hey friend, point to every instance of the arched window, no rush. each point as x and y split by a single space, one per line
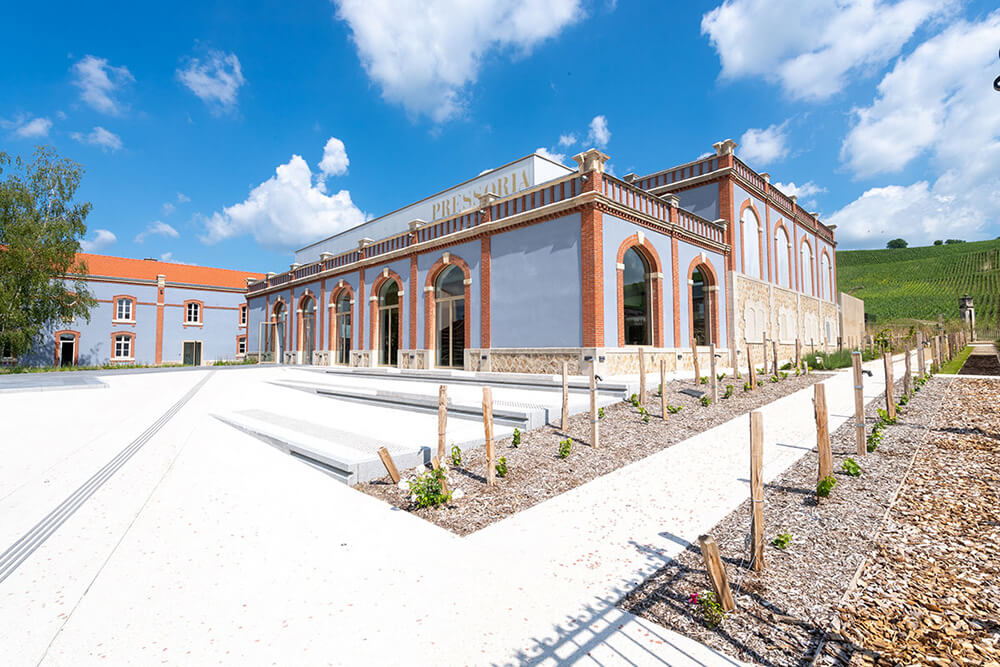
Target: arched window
342 326
276 332
388 323
782 257
806 266
825 278
636 299
307 338
751 244
449 316
702 306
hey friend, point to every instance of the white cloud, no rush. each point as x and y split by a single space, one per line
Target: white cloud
98 82
168 208
166 257
36 127
807 189
599 133
556 157
286 211
937 103
99 239
762 147
810 48
426 57
182 198
334 162
156 228
108 141
216 81
567 139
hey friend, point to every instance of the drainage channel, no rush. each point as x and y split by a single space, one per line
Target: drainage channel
18 552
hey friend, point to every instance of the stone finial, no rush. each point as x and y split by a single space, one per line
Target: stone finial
630 178
766 176
727 147
672 200
487 198
831 227
722 222
365 242
814 214
591 160
293 266
795 200
271 274
323 256
416 224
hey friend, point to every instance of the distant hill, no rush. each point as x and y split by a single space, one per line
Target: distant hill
925 281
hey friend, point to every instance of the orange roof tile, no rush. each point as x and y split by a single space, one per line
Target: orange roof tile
149 269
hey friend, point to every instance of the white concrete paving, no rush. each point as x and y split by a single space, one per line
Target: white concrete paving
209 546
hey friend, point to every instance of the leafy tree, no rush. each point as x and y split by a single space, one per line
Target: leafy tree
953 241
896 243
939 242
40 231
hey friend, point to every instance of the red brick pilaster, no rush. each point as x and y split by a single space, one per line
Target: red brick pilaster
160 302
413 290
485 274
592 270
359 330
726 212
676 271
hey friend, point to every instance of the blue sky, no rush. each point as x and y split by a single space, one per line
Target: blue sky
229 135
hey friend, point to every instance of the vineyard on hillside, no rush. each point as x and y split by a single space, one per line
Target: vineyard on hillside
921 283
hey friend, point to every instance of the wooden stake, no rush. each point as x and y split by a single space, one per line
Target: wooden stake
442 418
716 573
890 401
663 388
906 374
859 403
774 356
714 380
921 364
798 353
763 347
642 378
564 425
694 357
390 467
491 471
435 464
595 428
822 432
757 489
751 369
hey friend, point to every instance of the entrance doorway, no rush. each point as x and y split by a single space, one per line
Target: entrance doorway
67 350
388 323
449 316
192 353
343 328
308 336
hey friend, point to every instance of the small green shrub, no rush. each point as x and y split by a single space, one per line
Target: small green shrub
634 400
516 440
746 386
729 391
875 439
600 413
565 447
645 415
851 467
659 390
502 467
705 401
825 486
703 379
720 377
674 409
709 609
427 488
782 541
884 417
775 378
456 456
784 375
903 400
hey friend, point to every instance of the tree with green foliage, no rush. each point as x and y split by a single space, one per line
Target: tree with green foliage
896 243
939 242
40 231
953 241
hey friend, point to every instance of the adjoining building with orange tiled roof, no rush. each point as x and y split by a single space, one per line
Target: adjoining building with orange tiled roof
152 312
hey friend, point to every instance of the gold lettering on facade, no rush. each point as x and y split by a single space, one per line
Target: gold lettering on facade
502 186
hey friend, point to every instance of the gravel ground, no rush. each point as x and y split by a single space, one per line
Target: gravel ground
536 473
782 612
931 593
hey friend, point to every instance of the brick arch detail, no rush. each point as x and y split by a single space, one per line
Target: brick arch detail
829 278
384 276
762 249
332 314
76 345
713 305
788 249
652 258
430 340
812 264
300 319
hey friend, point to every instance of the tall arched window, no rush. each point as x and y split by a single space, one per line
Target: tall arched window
307 339
702 306
825 278
636 299
751 244
276 344
342 326
449 316
806 265
782 256
388 323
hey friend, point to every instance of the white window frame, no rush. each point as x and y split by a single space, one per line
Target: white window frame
119 302
187 312
241 341
244 314
128 340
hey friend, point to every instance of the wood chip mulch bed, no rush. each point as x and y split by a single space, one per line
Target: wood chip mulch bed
930 595
536 473
783 612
